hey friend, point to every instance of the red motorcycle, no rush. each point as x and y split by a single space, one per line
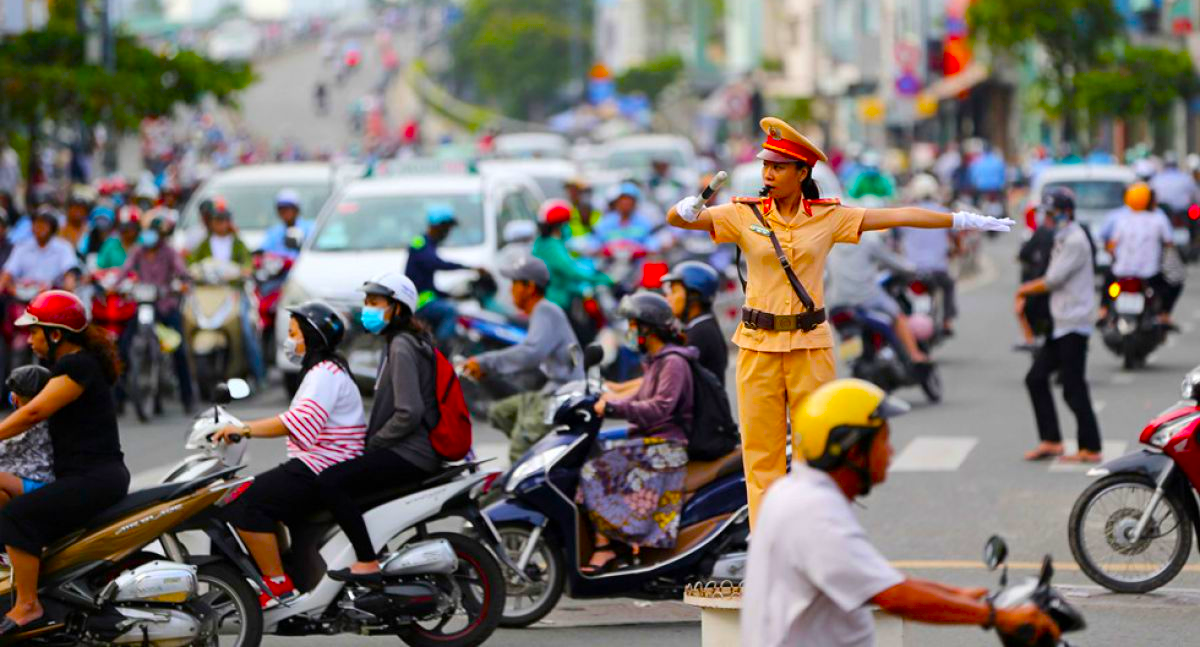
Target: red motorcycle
1131 531
113 305
270 273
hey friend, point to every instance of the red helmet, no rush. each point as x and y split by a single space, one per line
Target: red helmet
55 309
554 212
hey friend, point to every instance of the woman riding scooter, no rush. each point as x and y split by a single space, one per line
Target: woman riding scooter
324 426
570 279
633 491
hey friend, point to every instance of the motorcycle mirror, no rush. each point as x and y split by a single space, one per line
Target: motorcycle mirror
1047 572
592 355
221 394
238 388
293 238
995 552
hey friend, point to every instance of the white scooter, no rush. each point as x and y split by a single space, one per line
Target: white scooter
438 588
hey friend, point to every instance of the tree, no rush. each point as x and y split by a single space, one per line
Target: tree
516 54
1136 81
652 77
1074 34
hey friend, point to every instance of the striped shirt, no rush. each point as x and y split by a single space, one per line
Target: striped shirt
325 421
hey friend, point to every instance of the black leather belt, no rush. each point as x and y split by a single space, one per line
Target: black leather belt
805 321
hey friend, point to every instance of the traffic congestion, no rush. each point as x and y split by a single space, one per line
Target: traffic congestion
362 346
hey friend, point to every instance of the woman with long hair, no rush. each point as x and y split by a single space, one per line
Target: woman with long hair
786 348
89 468
324 427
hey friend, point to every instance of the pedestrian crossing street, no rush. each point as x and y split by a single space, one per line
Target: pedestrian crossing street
932 454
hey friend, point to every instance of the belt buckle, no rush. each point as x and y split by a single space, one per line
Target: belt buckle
749 323
786 323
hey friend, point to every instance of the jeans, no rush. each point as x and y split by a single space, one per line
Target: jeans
1068 356
442 316
250 340
377 470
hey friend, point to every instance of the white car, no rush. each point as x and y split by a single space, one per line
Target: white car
249 194
1099 190
236 40
633 155
550 174
746 180
531 145
367 228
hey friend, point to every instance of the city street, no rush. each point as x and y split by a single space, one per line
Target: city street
958 477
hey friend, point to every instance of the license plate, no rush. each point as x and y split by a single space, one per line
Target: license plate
1182 237
1131 304
850 349
922 304
145 314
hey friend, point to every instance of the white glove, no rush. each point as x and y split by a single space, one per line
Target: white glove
967 221
689 208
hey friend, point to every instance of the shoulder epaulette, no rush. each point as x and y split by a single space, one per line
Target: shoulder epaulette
747 199
827 201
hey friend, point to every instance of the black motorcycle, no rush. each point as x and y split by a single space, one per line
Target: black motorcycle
875 354
1132 329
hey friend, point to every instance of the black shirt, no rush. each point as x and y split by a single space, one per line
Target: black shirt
704 334
84 433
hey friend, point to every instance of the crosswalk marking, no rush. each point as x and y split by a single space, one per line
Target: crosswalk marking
1109 448
934 454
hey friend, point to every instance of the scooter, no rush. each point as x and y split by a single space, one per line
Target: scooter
439 588
1131 530
921 300
212 323
548 536
1036 591
1131 330
869 344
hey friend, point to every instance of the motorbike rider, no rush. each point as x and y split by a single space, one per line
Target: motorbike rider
405 408
659 413
663 184
45 259
75 229
275 241
570 279
1140 242
1070 281
100 228
1176 188
154 261
424 263
584 216
89 467
624 221
549 348
987 172
116 249
812 572
871 180
929 250
324 426
1168 283
197 233
691 288
27 460
224 244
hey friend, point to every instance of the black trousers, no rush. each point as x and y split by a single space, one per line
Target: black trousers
375 470
286 493
1068 356
33 521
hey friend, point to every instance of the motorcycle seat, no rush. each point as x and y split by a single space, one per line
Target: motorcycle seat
701 473
137 500
377 498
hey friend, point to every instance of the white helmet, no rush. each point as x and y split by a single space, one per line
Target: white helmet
519 230
924 187
393 285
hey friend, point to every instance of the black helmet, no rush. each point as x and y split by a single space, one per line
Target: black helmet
48 215
1059 199
27 381
649 309
323 320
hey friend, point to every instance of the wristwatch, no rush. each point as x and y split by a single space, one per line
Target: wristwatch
991 619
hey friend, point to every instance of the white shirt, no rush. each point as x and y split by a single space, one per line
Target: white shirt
811 569
325 421
222 247
32 262
1139 238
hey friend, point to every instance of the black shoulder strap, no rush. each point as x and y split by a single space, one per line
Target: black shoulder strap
797 286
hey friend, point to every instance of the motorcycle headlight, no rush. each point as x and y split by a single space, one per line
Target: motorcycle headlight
534 465
1190 383
1168 431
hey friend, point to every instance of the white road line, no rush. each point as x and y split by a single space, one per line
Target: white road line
934 454
1110 448
1122 379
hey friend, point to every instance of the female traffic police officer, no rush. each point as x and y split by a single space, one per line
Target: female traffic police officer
786 349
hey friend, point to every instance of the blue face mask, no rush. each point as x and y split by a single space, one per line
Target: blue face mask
372 319
148 238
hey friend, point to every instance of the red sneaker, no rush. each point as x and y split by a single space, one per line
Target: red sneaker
282 587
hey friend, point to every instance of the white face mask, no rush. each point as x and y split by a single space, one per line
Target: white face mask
289 349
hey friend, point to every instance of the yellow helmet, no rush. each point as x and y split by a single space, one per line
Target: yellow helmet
838 416
1138 196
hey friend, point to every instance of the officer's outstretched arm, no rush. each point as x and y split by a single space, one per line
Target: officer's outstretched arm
876 219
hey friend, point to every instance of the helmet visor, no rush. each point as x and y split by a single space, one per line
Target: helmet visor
378 290
891 407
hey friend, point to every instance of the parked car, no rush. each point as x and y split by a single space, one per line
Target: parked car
249 193
367 227
1099 190
634 154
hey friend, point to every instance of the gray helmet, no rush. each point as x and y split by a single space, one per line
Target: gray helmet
649 309
27 381
528 268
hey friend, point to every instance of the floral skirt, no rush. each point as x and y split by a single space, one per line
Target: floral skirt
633 492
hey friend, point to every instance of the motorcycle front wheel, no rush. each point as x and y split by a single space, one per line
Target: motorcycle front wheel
530 601
477 589
1101 533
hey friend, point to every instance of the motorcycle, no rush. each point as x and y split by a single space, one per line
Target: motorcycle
212 323
547 535
869 344
270 273
1037 591
439 588
112 307
150 374
99 585
920 299
19 352
1131 530
1131 329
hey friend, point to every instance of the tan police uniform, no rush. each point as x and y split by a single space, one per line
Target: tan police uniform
778 363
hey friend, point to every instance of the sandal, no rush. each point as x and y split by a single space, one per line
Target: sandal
1041 454
603 567
9 627
1082 457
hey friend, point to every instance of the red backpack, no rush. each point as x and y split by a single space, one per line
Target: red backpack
451 436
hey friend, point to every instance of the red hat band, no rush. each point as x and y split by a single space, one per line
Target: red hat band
791 149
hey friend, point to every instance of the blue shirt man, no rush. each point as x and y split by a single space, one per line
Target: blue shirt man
287 205
988 172
423 258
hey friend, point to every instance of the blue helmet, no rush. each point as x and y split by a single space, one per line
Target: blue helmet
696 277
440 213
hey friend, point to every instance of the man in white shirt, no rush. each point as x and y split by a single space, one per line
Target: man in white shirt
45 259
1139 242
812 571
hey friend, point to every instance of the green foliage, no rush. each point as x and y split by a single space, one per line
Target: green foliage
1139 81
651 77
43 76
517 53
